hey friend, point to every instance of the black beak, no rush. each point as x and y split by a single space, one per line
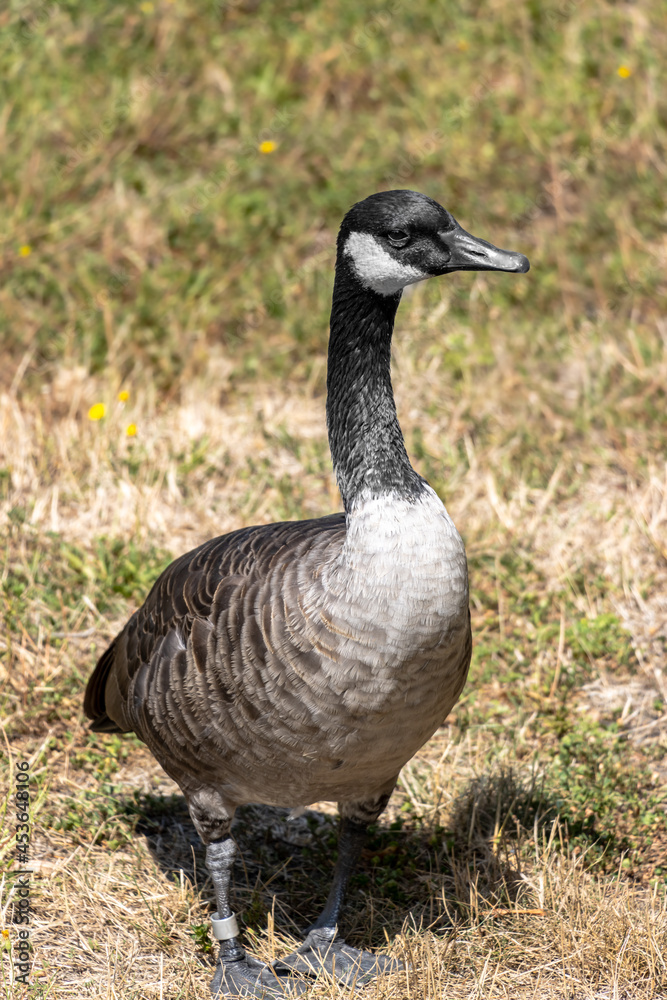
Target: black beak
469 253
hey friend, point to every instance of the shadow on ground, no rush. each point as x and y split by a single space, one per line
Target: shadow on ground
431 875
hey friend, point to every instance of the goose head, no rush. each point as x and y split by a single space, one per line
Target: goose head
396 238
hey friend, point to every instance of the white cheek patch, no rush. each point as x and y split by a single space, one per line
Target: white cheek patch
376 268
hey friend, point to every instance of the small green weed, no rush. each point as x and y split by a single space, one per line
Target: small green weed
201 934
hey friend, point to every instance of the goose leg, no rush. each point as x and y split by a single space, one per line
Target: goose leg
323 948
351 840
238 974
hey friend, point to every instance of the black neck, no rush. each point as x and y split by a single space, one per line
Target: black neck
366 442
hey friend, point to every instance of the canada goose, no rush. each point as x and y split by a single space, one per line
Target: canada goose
292 663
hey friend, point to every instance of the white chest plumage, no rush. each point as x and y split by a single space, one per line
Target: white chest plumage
395 602
402 569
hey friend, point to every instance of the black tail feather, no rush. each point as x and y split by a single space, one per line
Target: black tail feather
94 702
103 724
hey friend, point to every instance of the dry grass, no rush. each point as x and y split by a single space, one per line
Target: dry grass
523 854
113 919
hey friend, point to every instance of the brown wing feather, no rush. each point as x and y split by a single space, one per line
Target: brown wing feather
182 596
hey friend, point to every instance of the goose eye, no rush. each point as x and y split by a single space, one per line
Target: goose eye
398 238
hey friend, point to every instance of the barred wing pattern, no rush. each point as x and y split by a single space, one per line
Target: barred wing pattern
242 674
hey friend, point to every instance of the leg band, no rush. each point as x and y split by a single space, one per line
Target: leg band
226 928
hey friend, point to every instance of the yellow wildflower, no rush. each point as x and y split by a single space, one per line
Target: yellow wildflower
25 250
462 45
97 411
123 395
5 933
147 7
267 146
131 430
624 72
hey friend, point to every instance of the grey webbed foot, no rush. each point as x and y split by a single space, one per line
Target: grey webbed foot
249 977
324 951
237 979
